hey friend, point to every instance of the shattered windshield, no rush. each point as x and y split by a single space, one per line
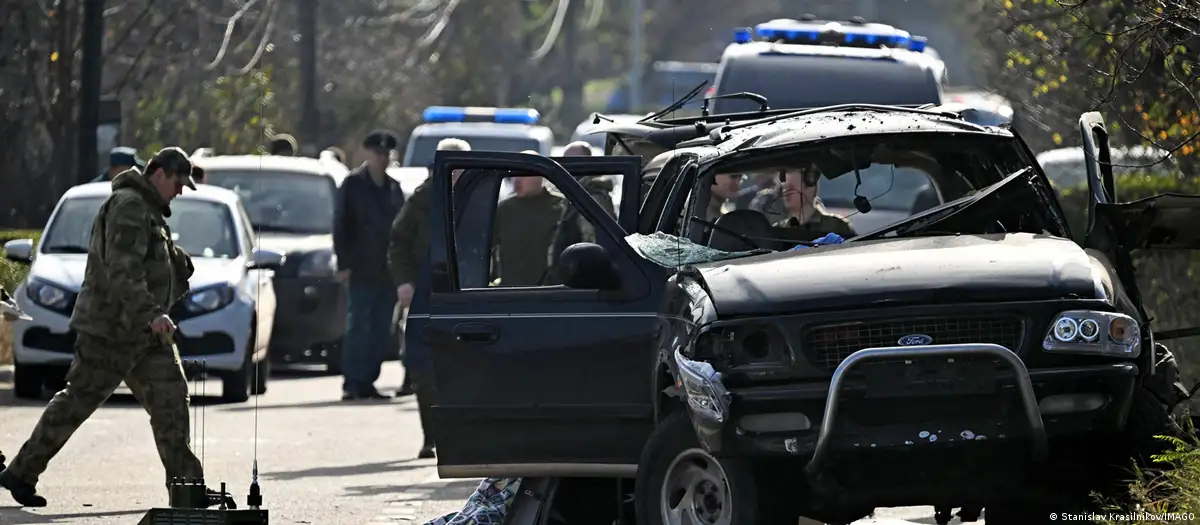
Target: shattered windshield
824 195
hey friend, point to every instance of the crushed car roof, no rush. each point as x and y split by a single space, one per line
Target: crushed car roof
816 126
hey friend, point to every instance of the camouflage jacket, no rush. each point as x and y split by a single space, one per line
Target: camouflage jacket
524 232
408 242
134 270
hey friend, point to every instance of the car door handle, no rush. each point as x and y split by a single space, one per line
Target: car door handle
476 333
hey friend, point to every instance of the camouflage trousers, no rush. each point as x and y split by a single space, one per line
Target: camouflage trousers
151 370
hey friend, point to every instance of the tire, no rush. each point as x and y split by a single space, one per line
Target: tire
236 385
28 381
724 493
262 372
1149 417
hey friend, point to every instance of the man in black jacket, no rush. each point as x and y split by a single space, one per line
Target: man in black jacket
368 201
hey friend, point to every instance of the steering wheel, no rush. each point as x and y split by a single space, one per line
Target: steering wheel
746 239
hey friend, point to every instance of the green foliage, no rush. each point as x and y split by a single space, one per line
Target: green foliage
11 273
1171 487
1059 58
232 114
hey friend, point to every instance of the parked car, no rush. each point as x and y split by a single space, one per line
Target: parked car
290 202
971 355
226 322
1066 166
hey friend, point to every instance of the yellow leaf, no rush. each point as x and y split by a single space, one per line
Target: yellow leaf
1162 135
1062 78
1057 139
1008 4
54 56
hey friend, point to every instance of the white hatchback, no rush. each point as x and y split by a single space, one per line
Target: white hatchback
225 322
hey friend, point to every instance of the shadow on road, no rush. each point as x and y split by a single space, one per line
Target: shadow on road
453 490
351 470
249 407
18 516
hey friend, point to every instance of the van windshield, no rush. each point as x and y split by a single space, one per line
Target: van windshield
802 81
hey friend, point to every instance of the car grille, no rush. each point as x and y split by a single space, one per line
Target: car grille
828 345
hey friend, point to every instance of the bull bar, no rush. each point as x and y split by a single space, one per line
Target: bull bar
1020 373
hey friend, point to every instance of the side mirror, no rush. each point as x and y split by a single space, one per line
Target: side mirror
265 260
588 266
19 251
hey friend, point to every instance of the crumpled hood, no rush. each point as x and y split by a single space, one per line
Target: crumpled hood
287 243
66 270
923 270
132 178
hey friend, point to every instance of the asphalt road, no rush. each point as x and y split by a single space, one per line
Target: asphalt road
321 461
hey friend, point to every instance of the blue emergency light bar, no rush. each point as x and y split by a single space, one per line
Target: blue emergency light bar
435 114
789 31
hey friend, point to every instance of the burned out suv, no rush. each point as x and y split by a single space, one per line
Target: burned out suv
969 356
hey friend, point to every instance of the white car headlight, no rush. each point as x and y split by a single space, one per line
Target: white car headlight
209 299
322 263
1093 332
706 395
48 295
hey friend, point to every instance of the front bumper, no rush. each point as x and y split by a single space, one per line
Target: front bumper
219 339
862 412
310 318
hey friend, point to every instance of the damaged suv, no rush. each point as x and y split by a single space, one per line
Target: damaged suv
969 356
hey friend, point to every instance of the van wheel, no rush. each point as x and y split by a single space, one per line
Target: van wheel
236 385
680 483
28 381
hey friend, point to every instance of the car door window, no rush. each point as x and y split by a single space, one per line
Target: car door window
527 232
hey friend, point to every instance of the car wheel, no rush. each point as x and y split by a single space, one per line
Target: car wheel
28 381
680 483
262 372
236 385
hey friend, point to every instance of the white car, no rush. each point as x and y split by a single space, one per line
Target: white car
225 322
1065 166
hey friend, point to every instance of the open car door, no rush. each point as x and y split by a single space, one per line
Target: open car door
538 380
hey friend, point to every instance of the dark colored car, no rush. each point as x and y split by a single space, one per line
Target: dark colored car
290 201
968 356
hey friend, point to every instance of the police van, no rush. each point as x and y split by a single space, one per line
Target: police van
485 129
811 63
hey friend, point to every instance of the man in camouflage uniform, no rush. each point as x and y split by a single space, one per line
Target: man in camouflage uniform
572 226
134 274
807 218
9 312
524 231
408 247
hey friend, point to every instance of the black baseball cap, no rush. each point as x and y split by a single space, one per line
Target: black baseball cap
380 139
174 160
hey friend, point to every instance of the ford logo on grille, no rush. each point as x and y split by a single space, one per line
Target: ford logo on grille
915 340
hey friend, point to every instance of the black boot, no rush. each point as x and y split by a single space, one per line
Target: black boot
2 467
406 386
24 493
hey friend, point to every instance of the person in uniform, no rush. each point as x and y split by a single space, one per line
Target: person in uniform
9 312
408 247
134 274
120 158
572 227
807 218
524 231
367 203
724 188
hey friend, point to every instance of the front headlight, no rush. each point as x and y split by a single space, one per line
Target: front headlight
706 395
209 299
48 295
1092 332
321 263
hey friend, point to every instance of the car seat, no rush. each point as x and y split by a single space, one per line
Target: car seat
928 198
751 223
